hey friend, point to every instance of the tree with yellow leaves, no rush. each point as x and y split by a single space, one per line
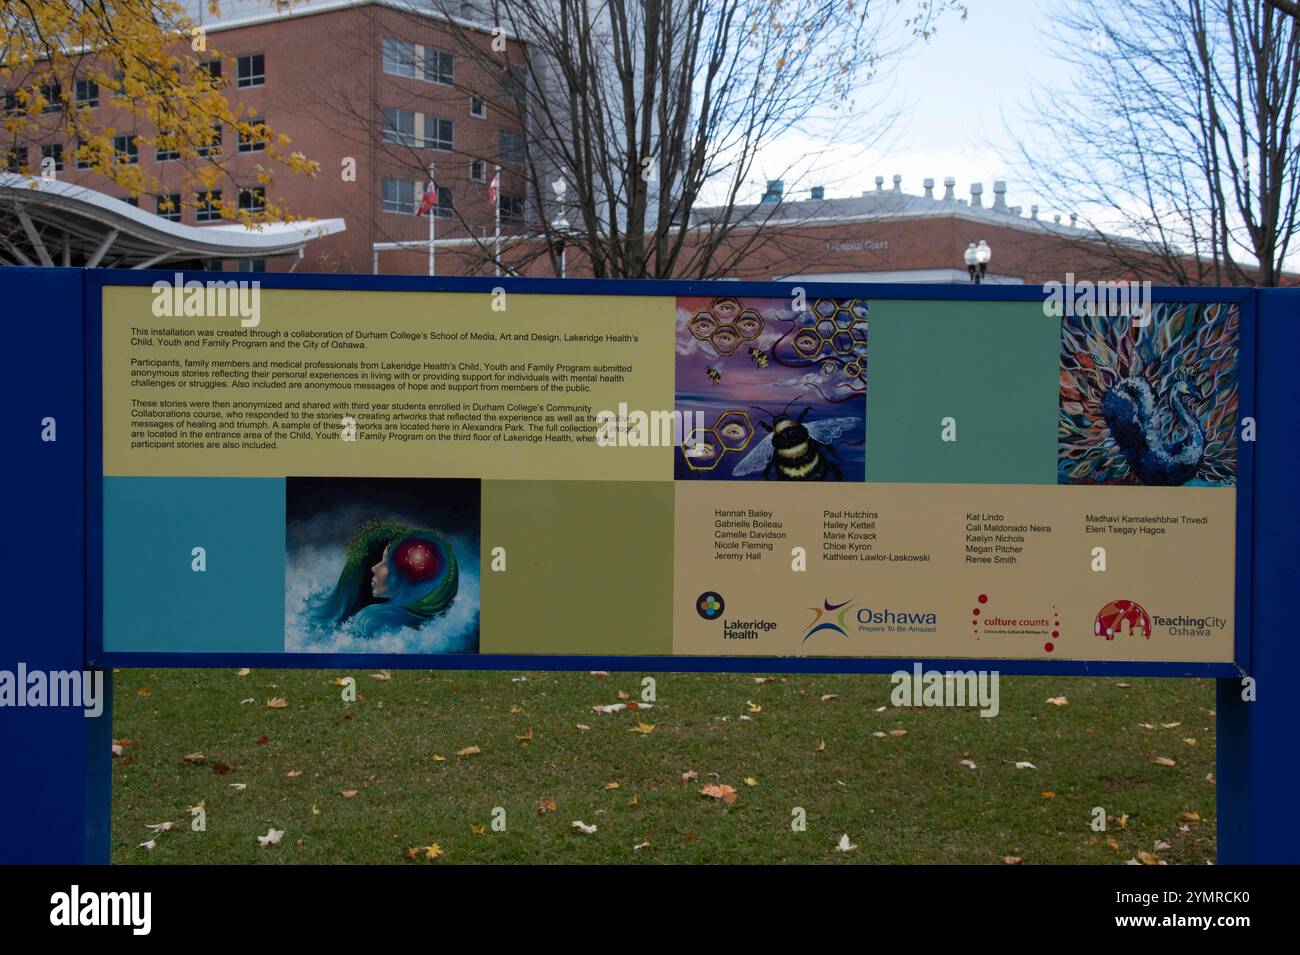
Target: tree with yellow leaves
97 80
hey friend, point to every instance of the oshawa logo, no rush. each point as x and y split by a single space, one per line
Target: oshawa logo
837 625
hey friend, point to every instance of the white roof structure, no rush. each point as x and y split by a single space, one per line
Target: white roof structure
48 222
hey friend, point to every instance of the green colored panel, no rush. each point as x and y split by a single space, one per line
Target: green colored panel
991 366
589 567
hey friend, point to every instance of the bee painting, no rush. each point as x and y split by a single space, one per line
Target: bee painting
715 374
796 451
759 356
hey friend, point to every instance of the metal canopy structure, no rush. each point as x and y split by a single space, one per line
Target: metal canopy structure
45 222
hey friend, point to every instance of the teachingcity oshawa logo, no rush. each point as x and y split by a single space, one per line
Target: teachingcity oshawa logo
1118 614
710 605
817 625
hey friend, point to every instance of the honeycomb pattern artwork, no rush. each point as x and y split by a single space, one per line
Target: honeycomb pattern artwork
731 433
832 335
726 325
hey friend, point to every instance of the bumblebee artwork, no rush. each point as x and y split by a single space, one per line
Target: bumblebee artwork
795 451
715 374
759 356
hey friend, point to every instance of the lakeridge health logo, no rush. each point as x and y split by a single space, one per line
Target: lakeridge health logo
710 605
1112 618
836 625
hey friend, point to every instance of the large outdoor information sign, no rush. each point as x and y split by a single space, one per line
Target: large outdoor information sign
729 475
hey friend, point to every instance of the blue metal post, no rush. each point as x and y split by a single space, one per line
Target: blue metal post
1257 776
55 796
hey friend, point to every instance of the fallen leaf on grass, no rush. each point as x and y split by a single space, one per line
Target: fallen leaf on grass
1190 816
383 676
243 671
969 764
827 697
272 837
583 827
1113 843
1164 761
689 838
634 801
1161 845
764 679
623 694
821 747
527 737
1024 765
247 701
439 758
277 703
1012 860
193 759
643 728
1058 701
844 845
347 793
148 845
1123 686
158 827
263 740
433 851
1147 858
468 751
898 732
314 810
751 781
881 709
753 707
1170 726
1122 821
1047 794
544 806
294 773
1189 740
611 708
879 734
609 786
720 791
477 830
516 709
600 674
1147 726
641 845
690 775
341 681
582 727
220 768
239 787
143 691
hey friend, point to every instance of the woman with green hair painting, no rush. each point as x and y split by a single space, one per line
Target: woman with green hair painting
394 576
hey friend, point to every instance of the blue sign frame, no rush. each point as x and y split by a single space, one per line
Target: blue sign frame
96 656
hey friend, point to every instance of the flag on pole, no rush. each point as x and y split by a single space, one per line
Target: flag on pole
430 199
494 188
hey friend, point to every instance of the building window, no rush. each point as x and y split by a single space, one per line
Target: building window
512 210
403 58
54 152
11 103
16 159
125 150
514 83
207 207
477 107
213 147
252 265
511 146
254 141
212 68
250 70
164 147
446 207
401 195
252 199
438 66
169 206
52 93
478 170
131 201
83 162
406 128
87 93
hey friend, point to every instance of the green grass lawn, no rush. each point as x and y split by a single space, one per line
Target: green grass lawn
900 799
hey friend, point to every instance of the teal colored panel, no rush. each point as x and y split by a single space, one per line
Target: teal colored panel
990 366
155 601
